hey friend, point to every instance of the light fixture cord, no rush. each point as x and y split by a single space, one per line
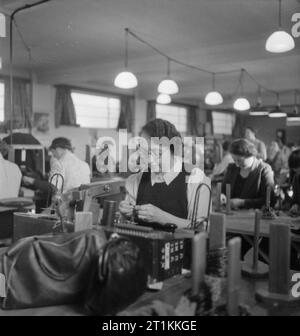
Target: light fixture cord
279 13
126 48
168 67
213 81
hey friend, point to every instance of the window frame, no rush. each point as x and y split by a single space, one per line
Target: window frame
233 116
93 92
180 106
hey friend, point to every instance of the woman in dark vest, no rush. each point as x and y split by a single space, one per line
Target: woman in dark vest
164 196
248 176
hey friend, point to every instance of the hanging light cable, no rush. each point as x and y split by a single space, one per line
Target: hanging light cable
126 79
241 103
168 86
213 97
277 112
258 109
280 41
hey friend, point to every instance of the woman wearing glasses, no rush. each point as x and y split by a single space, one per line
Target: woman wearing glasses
164 191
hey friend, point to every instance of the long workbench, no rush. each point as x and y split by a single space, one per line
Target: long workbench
171 292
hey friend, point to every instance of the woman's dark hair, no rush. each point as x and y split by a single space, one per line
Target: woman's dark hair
294 159
159 128
243 147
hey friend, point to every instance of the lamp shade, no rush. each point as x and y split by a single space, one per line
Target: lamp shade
168 86
277 113
279 42
258 110
163 98
241 104
126 80
213 98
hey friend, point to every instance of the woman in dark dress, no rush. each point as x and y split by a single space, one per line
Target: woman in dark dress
248 176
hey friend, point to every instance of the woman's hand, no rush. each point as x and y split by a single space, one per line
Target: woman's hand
150 213
236 203
126 208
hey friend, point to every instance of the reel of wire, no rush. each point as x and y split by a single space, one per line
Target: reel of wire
216 262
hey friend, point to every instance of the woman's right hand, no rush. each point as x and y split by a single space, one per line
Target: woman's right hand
126 208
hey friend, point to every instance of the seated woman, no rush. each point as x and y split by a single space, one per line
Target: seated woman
248 176
294 164
160 196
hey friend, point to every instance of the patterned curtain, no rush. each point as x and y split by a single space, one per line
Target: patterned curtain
21 114
239 126
64 107
126 114
151 110
195 127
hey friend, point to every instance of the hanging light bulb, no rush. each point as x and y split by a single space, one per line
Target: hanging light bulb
213 97
258 109
241 103
126 79
163 98
168 86
280 41
277 112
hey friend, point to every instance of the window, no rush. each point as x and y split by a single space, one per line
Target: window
1 101
177 115
95 111
223 123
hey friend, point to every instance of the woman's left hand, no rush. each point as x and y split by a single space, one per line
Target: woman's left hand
237 203
150 213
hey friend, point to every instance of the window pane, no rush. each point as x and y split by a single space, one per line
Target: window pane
223 122
94 111
1 101
174 114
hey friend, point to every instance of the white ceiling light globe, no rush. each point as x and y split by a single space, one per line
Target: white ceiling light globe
126 80
279 42
213 98
163 98
241 104
168 86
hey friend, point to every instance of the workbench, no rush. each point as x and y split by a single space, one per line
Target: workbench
242 223
172 290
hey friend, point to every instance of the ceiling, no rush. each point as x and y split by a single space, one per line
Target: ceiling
81 42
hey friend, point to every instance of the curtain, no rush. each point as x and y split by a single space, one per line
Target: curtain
195 127
126 114
64 107
151 110
21 114
239 126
